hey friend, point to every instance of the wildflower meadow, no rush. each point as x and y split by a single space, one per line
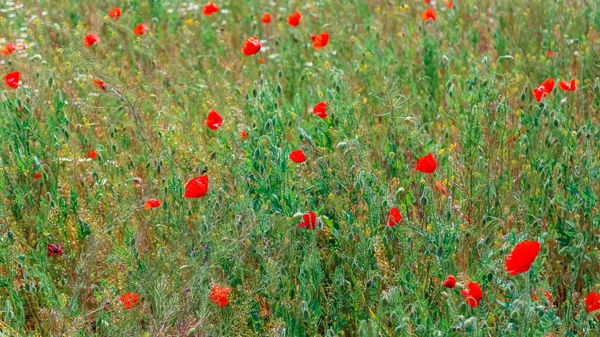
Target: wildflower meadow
330 168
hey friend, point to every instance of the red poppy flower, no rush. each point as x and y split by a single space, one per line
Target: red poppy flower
115 13
426 164
568 86
251 46
320 110
294 19
219 294
298 156
543 89
472 294
449 282
140 29
55 249
440 186
309 220
209 9
37 175
151 203
9 48
427 1
550 53
428 14
90 39
12 79
449 4
261 60
213 120
100 84
266 18
546 294
394 217
522 256
129 300
320 41
92 154
243 134
592 302
196 188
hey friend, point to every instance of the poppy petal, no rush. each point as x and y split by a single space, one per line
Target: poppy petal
521 257
196 188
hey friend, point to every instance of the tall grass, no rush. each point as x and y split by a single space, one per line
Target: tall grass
397 88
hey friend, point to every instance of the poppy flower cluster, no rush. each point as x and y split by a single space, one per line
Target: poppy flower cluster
115 13
546 87
129 300
219 295
472 294
518 261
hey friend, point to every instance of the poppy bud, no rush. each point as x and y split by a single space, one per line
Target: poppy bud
470 321
517 305
297 216
341 145
424 200
400 191
192 332
514 315
403 329
305 311
541 309
459 286
445 295
461 318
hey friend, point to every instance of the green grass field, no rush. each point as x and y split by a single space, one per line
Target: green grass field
97 125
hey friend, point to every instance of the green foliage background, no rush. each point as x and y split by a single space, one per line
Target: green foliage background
397 88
